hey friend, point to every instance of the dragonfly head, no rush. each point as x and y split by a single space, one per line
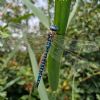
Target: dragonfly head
53 28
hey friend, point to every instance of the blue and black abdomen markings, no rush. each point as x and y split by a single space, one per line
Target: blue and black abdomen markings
53 29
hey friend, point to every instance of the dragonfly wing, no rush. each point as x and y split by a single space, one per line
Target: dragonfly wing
74 45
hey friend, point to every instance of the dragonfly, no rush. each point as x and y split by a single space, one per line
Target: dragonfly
53 30
74 47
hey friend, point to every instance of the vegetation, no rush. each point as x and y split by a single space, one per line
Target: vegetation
21 48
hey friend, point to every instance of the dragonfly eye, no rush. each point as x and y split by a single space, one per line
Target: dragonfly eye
53 28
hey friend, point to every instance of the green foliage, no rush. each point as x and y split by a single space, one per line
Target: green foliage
20 18
80 69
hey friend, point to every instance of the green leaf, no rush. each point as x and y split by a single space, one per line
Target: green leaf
37 12
3 95
20 18
98 96
11 83
53 63
4 34
2 2
62 10
73 12
65 11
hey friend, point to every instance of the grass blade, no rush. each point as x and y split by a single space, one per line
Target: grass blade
41 88
11 83
62 10
73 12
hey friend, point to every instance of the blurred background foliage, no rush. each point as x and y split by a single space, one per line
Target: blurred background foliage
80 70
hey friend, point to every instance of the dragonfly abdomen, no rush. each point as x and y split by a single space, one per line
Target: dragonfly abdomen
42 65
43 60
